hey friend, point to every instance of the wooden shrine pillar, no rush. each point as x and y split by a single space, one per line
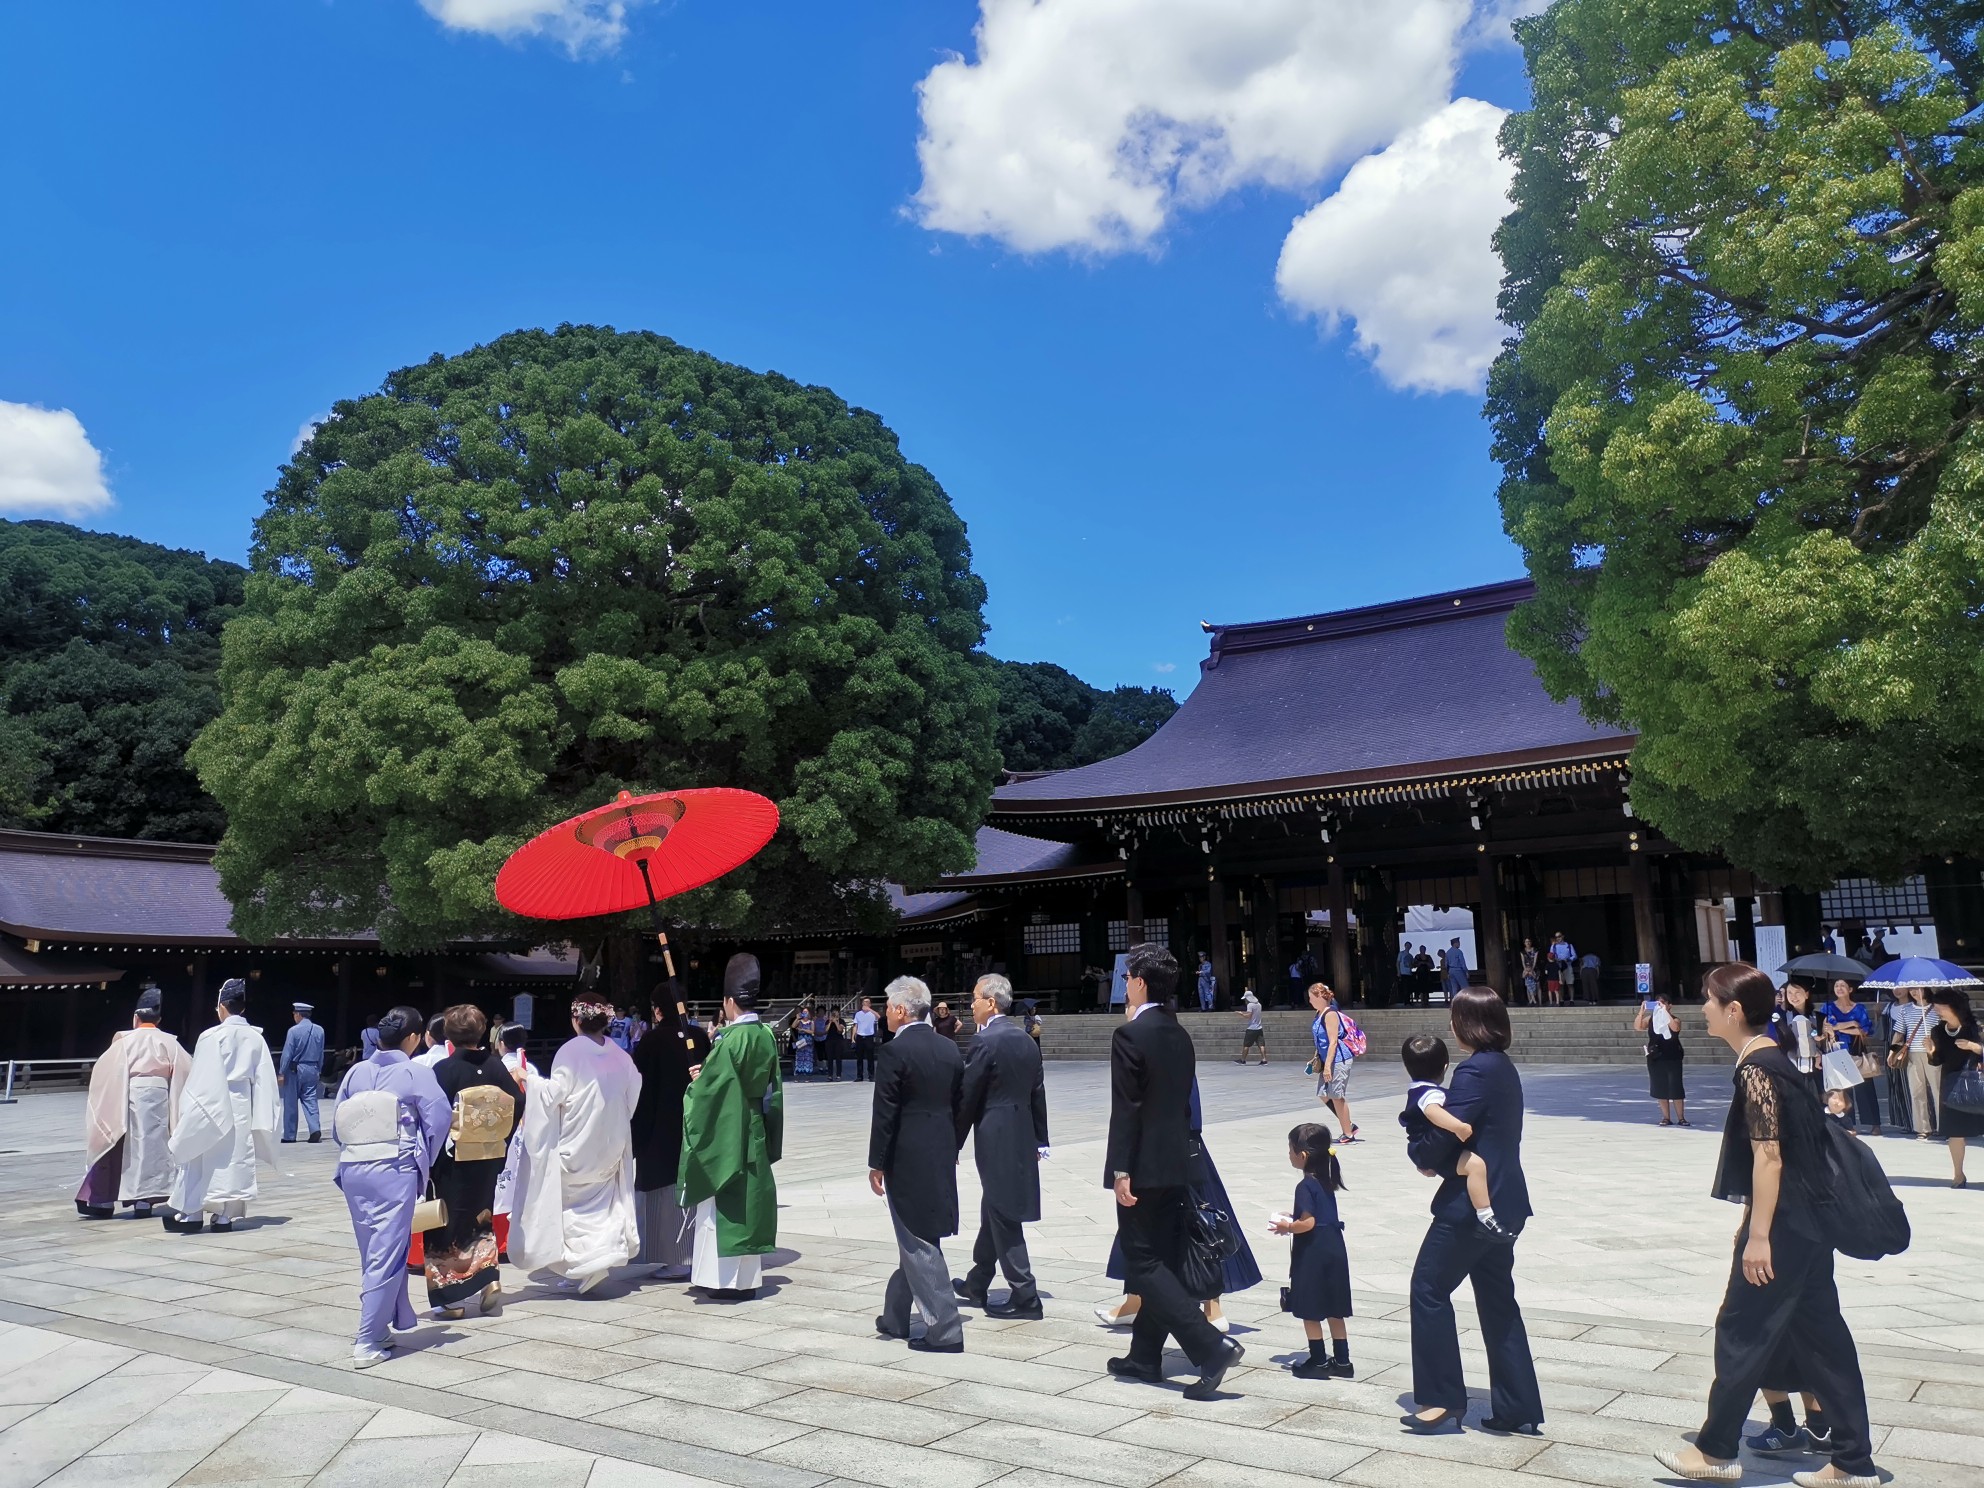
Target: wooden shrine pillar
1645 926
1494 944
1340 963
1133 912
1216 930
1745 948
341 1019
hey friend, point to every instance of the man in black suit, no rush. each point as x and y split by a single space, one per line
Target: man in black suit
913 1162
1005 1098
1151 1064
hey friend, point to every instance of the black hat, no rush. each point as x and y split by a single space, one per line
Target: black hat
151 1002
233 994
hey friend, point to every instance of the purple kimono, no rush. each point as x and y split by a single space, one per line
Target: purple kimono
388 1147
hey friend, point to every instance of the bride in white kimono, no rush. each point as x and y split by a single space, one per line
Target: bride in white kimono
572 1204
227 1118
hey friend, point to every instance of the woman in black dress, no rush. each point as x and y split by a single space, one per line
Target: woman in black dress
1663 1060
1955 1046
1318 1264
460 1258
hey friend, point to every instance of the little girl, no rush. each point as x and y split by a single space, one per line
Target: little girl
1319 1269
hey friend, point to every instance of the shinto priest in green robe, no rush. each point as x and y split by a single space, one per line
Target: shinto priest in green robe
733 1126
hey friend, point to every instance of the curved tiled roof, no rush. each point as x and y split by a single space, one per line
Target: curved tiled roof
1391 692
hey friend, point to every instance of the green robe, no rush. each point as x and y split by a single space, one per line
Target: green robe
733 1128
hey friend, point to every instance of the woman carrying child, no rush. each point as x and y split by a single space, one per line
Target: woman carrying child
1319 1266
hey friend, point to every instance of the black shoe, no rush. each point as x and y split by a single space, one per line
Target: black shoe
1493 1231
1775 1441
95 1211
1342 1369
1510 1428
223 1226
1444 1421
966 1294
882 1327
730 1294
1310 1369
1031 1310
287 1141
316 1136
1128 1368
925 1346
177 1226
1206 1386
141 1211
1819 1442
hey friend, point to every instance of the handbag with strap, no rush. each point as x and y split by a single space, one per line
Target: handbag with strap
1965 1090
430 1213
1841 1073
1210 1239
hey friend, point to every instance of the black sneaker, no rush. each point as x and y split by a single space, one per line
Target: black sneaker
1342 1369
1775 1441
1310 1369
1819 1442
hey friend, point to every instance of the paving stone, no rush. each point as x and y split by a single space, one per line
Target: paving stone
1278 1451
294 1445
709 1386
174 1427
31 1449
705 1425
391 1423
914 1424
546 1392
561 1359
524 1475
1096 1459
883 1464
849 1379
394 1462
608 1472
138 1470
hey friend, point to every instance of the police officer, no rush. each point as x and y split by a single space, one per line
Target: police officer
301 1071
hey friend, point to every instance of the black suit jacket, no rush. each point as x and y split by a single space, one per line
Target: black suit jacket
1151 1067
912 1136
1486 1093
1005 1097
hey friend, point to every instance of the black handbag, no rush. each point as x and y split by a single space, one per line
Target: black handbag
1210 1240
1966 1090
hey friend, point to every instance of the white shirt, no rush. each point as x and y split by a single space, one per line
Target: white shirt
865 1023
433 1056
1253 1006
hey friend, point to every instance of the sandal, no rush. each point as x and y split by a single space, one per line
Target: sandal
1665 1122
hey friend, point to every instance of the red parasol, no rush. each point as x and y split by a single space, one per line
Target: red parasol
637 850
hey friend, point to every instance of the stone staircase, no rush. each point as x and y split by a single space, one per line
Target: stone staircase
1581 1035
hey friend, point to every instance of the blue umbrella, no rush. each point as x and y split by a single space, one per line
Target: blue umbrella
1919 971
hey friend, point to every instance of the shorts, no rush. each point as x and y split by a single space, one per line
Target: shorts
1337 1087
1255 1036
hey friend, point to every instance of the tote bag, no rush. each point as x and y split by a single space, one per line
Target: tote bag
1841 1073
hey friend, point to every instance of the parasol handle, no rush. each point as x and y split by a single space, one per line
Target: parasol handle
654 913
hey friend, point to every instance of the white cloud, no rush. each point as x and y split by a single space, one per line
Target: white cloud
1403 249
48 467
1087 124
1164 666
1493 18
304 430
582 26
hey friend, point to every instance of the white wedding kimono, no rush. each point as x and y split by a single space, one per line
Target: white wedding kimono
227 1118
572 1202
526 1075
135 1089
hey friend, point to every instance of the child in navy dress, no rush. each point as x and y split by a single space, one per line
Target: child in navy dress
1319 1269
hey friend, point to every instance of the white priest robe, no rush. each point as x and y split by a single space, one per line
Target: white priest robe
227 1118
572 1202
134 1099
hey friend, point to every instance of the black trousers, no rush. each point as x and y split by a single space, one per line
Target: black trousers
1794 1315
1449 1254
864 1057
1152 1233
1001 1245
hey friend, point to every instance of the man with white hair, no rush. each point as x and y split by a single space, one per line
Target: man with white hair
913 1163
1005 1100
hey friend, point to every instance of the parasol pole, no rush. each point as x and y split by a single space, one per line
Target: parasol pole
654 913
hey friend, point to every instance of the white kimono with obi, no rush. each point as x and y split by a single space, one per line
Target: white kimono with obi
135 1089
227 1118
572 1202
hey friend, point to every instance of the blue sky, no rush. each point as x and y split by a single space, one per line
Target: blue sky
217 228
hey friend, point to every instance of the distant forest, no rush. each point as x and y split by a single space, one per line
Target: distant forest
109 665
110 661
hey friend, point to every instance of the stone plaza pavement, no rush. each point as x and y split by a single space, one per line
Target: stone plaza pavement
132 1357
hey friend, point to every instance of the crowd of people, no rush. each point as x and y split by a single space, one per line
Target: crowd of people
457 1153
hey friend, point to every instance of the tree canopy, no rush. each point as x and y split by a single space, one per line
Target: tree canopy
1739 423
109 653
1049 719
514 581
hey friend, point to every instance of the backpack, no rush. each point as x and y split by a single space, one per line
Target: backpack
1352 1037
1856 1207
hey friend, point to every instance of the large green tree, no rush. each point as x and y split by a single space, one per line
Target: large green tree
1739 421
1049 719
109 654
517 580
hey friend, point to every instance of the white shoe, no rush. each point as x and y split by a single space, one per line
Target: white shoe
1727 1472
1106 1315
1817 1480
365 1358
591 1281
1221 1323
